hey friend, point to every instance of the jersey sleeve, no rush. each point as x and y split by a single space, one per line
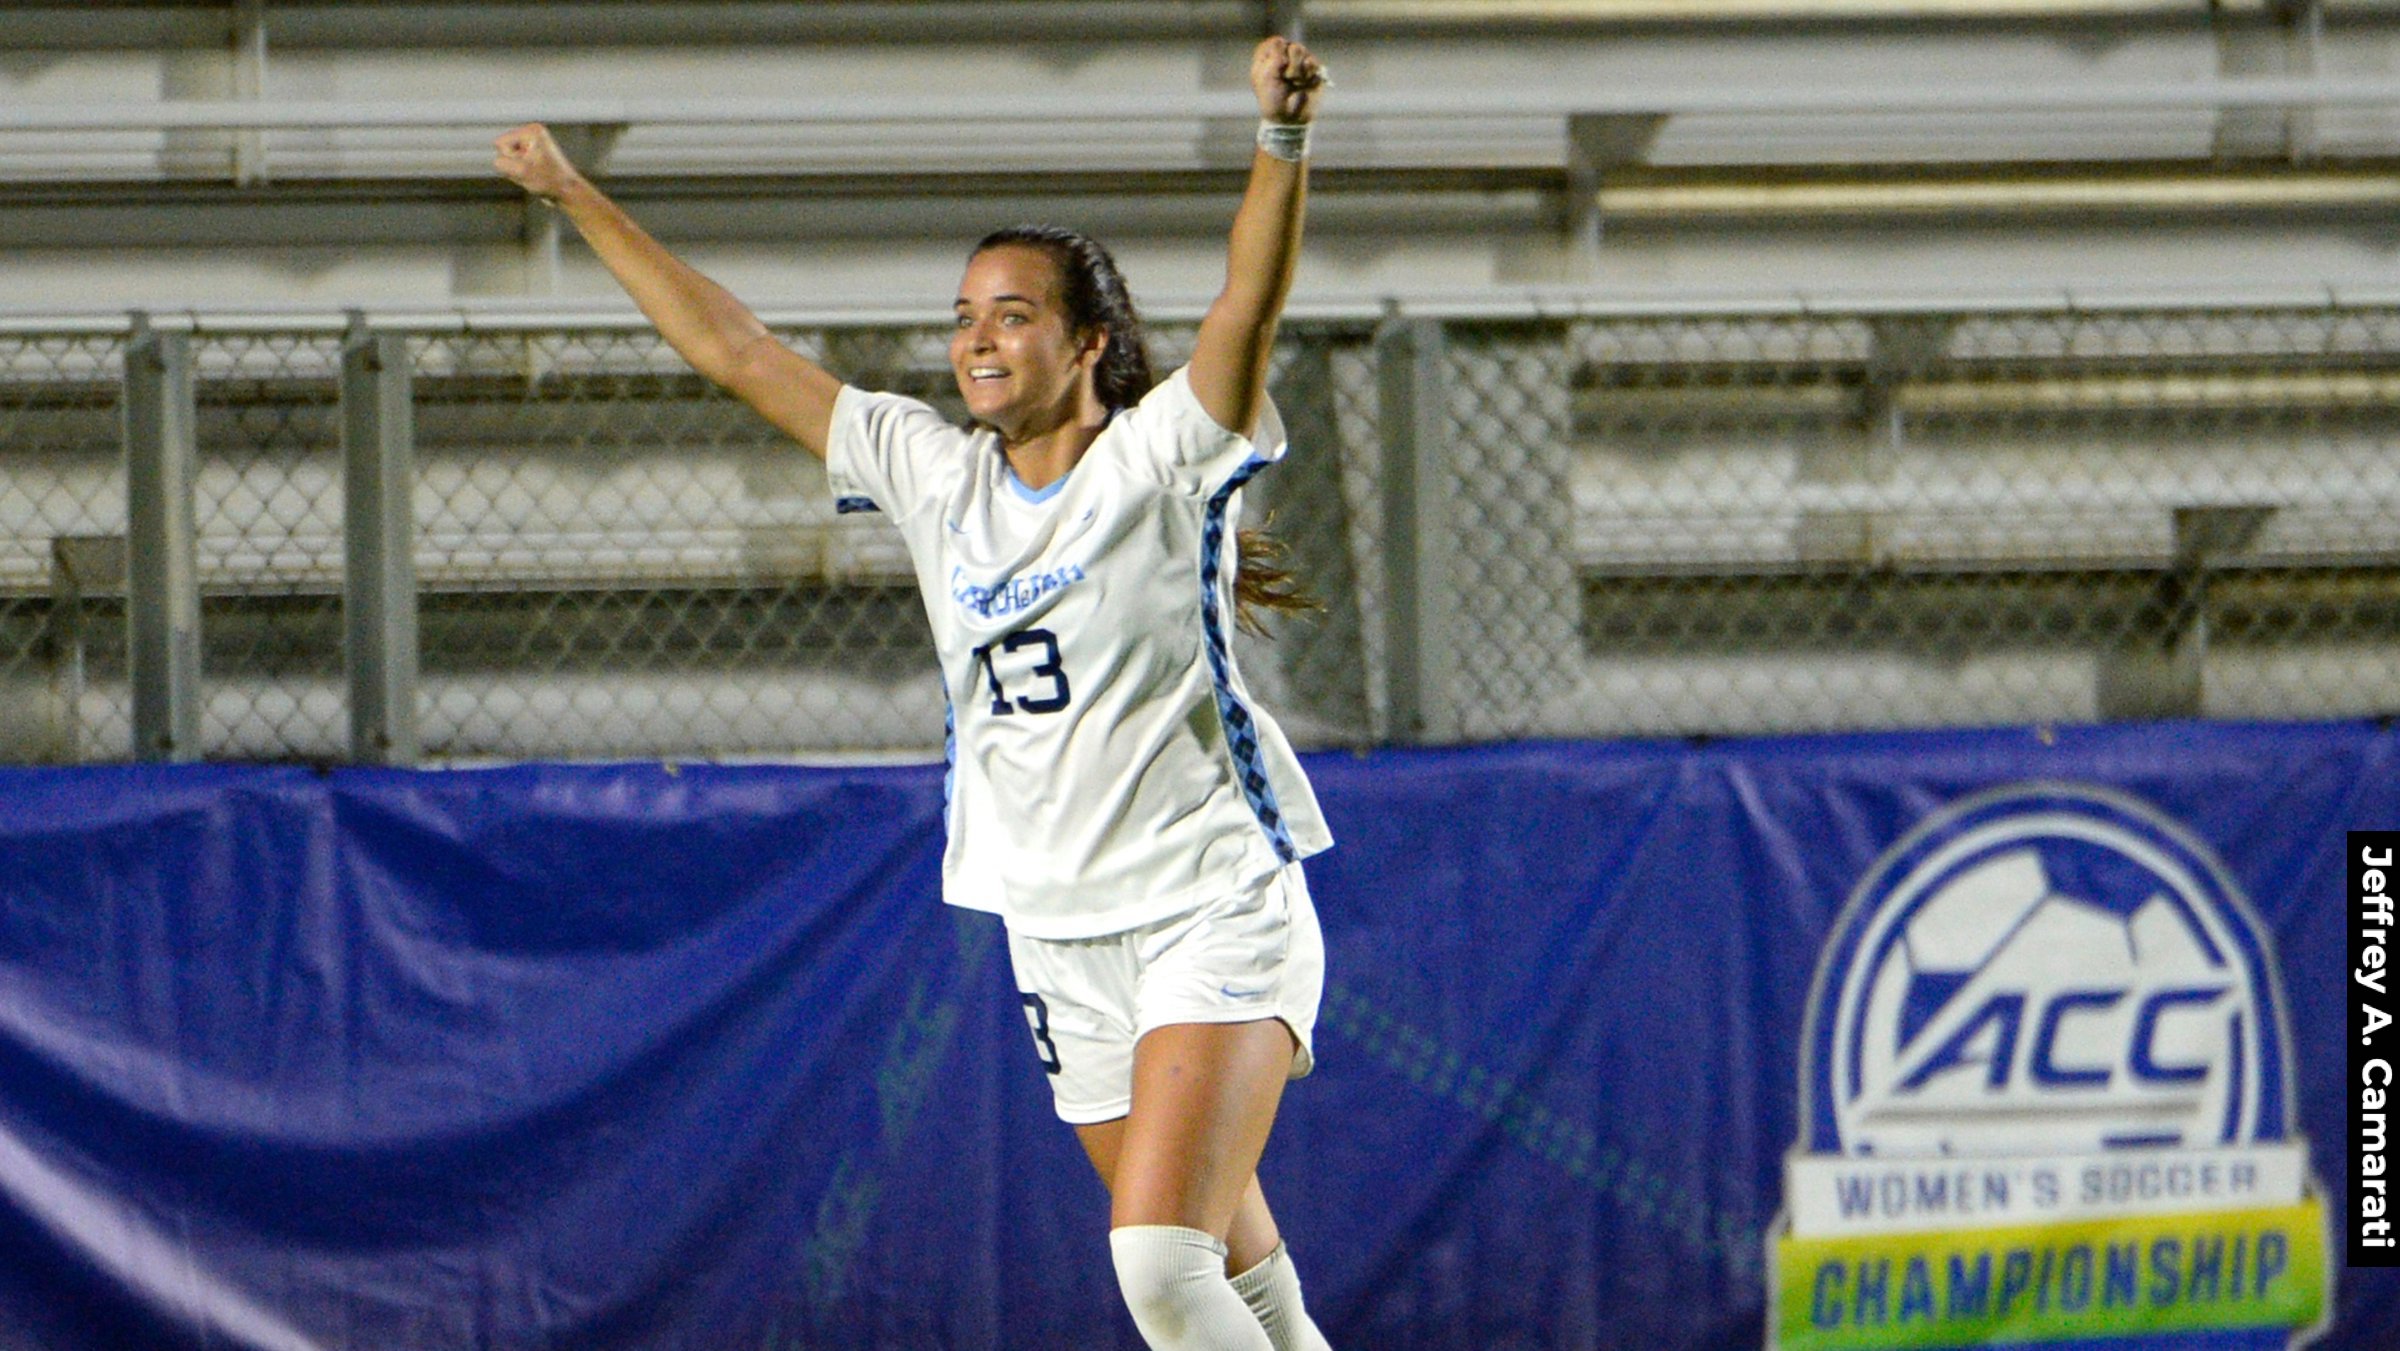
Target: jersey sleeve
888 452
1184 443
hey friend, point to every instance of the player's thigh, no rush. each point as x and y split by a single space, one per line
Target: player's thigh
1251 1237
1102 1141
1255 952
1204 1102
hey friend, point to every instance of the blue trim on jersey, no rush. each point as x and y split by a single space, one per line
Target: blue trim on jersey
949 753
845 505
1241 730
1034 494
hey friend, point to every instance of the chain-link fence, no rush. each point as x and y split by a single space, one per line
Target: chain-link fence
1928 519
267 529
1516 526
616 559
62 559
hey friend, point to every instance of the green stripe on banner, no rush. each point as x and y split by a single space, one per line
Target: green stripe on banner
2122 1277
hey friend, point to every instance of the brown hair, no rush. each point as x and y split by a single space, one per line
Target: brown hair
1095 296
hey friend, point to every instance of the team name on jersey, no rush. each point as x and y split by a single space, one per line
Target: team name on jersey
1010 594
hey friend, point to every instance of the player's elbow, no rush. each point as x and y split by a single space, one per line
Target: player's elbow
737 361
1247 308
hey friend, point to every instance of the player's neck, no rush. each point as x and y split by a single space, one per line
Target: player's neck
1041 458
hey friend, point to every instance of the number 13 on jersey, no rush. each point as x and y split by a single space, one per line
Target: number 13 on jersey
1040 688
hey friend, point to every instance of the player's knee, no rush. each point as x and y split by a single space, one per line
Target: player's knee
1166 1272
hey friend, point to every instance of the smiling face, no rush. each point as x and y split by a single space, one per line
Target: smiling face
1020 364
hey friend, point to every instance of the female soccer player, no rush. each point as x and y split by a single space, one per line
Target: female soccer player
1116 796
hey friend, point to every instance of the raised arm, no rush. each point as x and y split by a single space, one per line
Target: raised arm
700 319
1229 361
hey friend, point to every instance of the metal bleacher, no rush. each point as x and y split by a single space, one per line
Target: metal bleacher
1694 367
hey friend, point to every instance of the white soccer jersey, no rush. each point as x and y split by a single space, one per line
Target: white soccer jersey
1107 767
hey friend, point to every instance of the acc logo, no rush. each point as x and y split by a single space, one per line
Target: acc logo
2046 1095
2045 968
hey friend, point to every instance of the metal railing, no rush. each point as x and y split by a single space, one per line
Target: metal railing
945 112
1565 123
441 539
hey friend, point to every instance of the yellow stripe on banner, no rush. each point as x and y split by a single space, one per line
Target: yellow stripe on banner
2122 1277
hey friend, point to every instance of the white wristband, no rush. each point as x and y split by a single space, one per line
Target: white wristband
1284 140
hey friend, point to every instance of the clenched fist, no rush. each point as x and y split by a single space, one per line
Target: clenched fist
1288 81
529 156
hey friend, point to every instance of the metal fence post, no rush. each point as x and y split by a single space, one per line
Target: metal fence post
2158 668
163 574
1419 538
379 574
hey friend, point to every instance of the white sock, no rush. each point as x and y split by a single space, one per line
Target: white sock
1272 1290
1174 1283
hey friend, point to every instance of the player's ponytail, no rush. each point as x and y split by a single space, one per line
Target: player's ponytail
1095 296
1264 583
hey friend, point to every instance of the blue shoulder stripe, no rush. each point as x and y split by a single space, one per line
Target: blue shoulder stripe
1241 730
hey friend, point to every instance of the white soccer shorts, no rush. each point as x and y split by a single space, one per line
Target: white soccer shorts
1253 955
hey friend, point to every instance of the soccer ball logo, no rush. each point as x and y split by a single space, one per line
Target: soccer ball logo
2046 969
